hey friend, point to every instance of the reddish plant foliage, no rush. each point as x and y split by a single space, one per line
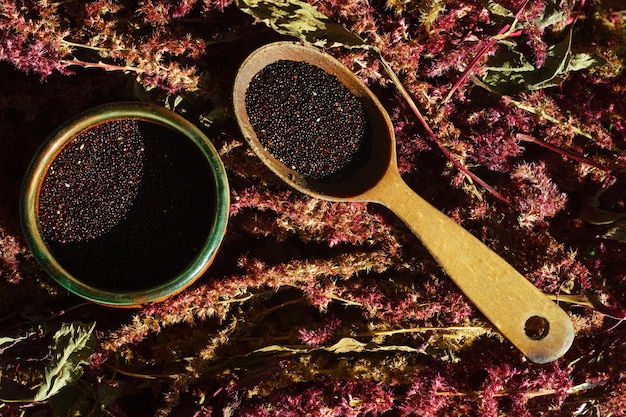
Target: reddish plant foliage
319 308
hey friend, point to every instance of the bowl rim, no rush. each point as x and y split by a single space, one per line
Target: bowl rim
51 148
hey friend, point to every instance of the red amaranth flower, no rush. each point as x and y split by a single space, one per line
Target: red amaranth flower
537 198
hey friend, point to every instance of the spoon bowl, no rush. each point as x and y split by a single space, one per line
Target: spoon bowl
523 314
353 187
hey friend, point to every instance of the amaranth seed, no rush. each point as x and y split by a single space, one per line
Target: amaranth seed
308 120
126 204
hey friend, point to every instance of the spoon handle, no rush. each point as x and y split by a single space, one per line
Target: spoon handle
531 321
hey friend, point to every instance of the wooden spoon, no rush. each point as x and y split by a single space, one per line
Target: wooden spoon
523 314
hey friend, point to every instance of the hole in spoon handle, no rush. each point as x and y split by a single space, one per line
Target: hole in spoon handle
537 327
524 315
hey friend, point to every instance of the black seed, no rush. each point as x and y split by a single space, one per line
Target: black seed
308 120
126 204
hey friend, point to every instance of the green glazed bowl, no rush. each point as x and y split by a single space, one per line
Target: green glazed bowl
87 266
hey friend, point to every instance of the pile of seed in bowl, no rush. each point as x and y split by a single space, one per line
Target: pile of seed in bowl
92 182
126 204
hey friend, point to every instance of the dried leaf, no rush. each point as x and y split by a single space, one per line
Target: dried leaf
71 347
350 345
618 232
301 20
214 118
594 215
345 345
8 342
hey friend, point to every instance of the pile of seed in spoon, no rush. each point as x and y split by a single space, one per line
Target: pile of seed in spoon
308 120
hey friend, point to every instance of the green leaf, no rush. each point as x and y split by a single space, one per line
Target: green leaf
509 71
583 61
301 20
498 9
214 118
71 347
69 402
555 67
552 14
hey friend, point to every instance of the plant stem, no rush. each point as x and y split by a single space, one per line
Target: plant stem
101 65
563 152
142 376
422 330
547 117
507 393
80 45
505 32
446 152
